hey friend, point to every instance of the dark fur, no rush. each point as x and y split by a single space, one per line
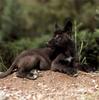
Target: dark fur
60 47
35 59
32 59
63 40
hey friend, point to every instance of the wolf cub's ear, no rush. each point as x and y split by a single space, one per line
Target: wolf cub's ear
57 29
68 25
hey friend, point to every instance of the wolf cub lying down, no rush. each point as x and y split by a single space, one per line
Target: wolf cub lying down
65 62
58 55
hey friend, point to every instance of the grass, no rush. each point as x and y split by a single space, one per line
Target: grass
2 65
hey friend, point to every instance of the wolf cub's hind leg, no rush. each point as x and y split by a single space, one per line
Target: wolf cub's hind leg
33 74
26 64
21 73
44 64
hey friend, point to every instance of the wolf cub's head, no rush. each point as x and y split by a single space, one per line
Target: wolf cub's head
62 36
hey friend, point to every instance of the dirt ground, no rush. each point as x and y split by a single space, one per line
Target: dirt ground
51 86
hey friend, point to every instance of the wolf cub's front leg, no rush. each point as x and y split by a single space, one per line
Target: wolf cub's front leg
58 63
64 64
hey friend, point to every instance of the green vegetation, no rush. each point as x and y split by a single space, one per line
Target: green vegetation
28 23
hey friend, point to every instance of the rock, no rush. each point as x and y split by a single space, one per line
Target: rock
3 95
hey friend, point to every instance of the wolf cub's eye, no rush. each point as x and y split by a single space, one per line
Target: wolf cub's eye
57 36
60 38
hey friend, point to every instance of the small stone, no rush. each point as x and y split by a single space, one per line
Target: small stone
3 95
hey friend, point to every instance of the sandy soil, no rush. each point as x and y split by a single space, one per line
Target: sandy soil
51 86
